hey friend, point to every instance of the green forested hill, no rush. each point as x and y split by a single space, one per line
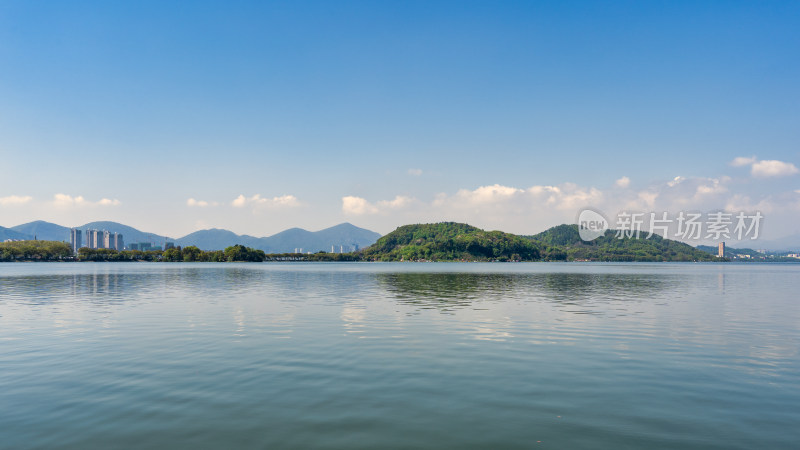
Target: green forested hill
457 241
565 243
450 241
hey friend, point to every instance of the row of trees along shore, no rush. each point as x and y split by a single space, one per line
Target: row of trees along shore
35 251
61 251
177 254
194 254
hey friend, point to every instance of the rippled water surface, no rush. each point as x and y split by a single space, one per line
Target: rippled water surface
419 355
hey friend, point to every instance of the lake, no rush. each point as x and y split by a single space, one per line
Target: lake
399 355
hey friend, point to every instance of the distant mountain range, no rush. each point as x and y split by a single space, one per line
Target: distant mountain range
787 244
344 236
53 232
8 233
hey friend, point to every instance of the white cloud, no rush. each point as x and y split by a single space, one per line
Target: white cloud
566 196
64 200
773 168
415 172
509 208
108 202
648 197
239 201
357 206
200 203
740 161
68 201
682 193
623 182
676 181
533 209
766 168
399 201
521 210
712 186
739 202
13 200
287 201
562 197
487 194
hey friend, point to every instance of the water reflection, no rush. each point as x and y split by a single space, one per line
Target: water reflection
288 356
119 285
445 291
583 293
579 293
40 290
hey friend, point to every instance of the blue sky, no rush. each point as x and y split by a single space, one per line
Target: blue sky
126 111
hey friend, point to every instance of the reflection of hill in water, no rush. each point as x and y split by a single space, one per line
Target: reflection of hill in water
114 287
44 289
218 282
581 293
445 291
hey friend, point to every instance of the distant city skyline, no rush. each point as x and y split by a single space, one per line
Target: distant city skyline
514 116
92 238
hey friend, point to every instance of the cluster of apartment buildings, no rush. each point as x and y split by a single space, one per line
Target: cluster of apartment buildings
149 246
342 249
95 239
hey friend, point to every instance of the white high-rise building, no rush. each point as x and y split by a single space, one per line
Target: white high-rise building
96 239
75 239
92 238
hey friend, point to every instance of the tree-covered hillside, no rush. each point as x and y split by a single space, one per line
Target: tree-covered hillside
450 241
565 239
